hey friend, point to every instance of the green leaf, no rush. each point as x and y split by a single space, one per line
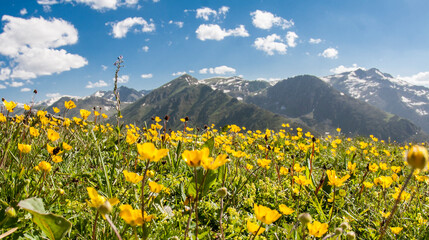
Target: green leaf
54 226
209 144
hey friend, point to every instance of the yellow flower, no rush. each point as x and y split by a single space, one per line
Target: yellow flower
132 177
351 166
97 200
150 173
396 230
56 110
385 215
104 116
368 184
395 169
9 105
317 229
298 168
404 196
384 181
66 146
373 167
155 187
285 209
196 157
209 163
148 151
52 135
131 138
44 166
24 148
56 158
334 180
134 217
96 113
252 228
302 180
84 114
417 157
26 107
284 171
2 118
34 132
69 104
263 163
265 214
383 166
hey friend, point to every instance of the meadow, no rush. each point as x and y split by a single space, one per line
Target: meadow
83 178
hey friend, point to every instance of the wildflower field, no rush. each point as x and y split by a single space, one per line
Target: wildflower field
82 178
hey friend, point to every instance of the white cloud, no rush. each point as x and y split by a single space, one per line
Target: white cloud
123 79
291 39
120 29
145 48
47 2
178 73
222 70
30 44
4 73
144 76
421 79
15 84
342 68
98 84
104 67
266 20
271 44
206 12
53 95
315 40
94 4
179 24
2 86
23 11
214 32
331 53
155 1
25 89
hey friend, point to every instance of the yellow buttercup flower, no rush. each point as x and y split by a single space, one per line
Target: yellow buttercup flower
98 201
148 151
263 163
334 180
302 180
155 187
298 168
373 167
383 166
285 209
84 114
52 135
44 166
104 115
317 229
404 196
265 214
396 230
284 171
34 132
385 215
384 181
395 169
2 118
131 138
9 105
368 184
26 107
24 148
252 228
69 104
417 157
351 166
196 157
66 146
210 164
56 110
96 113
132 177
57 159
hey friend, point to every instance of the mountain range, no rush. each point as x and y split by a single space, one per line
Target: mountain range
360 102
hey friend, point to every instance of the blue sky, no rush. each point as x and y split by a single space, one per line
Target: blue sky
68 47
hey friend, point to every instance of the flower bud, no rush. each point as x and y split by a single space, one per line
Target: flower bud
338 231
60 191
150 173
105 208
10 212
344 225
417 157
222 192
351 236
305 218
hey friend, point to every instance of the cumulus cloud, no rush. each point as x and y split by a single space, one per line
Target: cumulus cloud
222 70
271 44
4 73
104 67
331 53
15 84
120 29
266 20
123 79
31 45
421 79
23 11
315 40
342 68
2 86
205 13
145 48
25 89
291 39
98 84
94 4
215 32
148 75
178 23
178 73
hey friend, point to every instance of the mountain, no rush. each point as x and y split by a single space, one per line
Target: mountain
186 96
236 86
323 108
385 92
